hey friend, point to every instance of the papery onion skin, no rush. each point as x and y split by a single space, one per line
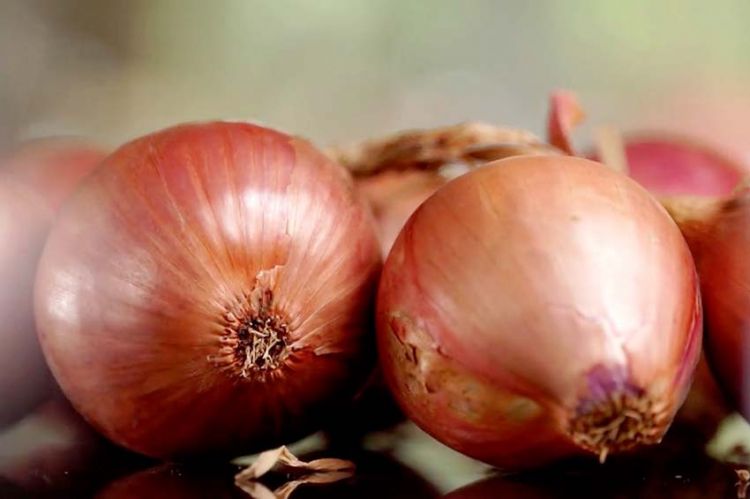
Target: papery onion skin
34 181
527 295
209 290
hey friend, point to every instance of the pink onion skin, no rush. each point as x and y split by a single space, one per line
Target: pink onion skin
159 268
671 165
34 180
579 258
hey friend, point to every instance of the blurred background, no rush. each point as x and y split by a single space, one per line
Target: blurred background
336 71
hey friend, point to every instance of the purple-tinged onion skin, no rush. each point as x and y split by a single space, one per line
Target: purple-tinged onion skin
525 295
209 290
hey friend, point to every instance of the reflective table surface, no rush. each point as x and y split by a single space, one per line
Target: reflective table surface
53 454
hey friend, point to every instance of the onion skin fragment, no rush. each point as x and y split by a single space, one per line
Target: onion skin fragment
535 302
209 290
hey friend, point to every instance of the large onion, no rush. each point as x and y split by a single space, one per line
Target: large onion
539 306
34 181
209 290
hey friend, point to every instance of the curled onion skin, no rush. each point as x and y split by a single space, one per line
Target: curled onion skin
209 290
528 306
34 181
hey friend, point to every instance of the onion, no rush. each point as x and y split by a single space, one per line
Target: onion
718 231
538 307
209 290
33 183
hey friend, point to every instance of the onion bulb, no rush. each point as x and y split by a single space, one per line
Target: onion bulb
34 181
209 290
538 307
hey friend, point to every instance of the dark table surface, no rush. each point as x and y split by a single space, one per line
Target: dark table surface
52 454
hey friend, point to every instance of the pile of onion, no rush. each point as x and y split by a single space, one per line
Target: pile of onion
209 290
34 182
539 307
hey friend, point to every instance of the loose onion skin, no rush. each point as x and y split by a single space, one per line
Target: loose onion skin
533 305
209 290
34 181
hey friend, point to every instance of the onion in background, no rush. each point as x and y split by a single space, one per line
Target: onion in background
34 182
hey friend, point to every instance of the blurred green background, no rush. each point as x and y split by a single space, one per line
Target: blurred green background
341 70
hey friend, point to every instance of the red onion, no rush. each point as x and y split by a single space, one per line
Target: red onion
33 183
537 307
209 290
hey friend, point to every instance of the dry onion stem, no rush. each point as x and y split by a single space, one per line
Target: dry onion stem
318 471
471 143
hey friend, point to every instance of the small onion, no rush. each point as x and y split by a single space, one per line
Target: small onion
34 181
537 307
209 290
